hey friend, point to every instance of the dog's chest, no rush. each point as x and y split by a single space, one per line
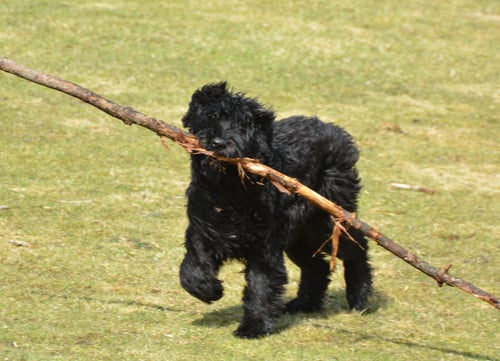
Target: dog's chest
231 219
237 219
234 222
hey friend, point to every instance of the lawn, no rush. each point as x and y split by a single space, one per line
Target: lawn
92 213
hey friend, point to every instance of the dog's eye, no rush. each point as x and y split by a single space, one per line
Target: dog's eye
243 131
208 133
205 135
212 115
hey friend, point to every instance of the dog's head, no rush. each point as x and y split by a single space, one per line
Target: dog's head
230 124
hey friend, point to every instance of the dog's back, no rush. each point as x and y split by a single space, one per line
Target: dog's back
320 155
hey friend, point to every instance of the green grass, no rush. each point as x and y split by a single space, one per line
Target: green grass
102 205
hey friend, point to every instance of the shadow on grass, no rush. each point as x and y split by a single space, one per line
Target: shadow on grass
109 301
221 317
335 303
363 336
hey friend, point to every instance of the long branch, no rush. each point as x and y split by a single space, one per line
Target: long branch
189 142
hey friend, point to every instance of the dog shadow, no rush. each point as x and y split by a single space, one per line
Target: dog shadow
335 303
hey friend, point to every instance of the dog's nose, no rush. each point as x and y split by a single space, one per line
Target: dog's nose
218 143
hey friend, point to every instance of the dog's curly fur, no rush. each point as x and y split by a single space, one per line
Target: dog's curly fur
250 220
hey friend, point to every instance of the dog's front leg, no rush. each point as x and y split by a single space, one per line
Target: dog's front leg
199 269
262 297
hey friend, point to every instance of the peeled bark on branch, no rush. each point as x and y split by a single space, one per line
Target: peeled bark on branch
283 182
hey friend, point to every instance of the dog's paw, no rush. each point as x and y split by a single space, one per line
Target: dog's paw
205 290
248 331
360 305
210 292
358 298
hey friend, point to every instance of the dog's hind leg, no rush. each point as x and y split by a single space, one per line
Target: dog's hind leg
357 270
262 296
314 279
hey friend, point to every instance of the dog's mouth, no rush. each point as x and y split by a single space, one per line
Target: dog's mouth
226 149
226 153
216 165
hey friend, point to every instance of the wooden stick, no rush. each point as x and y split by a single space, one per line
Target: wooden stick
283 182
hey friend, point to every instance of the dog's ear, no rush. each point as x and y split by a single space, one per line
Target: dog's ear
202 99
211 91
264 117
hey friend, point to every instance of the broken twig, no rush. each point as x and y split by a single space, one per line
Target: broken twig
17 243
412 188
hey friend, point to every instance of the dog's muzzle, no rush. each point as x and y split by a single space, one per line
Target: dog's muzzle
218 144
226 147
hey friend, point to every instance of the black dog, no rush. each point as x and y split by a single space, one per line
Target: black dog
250 220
